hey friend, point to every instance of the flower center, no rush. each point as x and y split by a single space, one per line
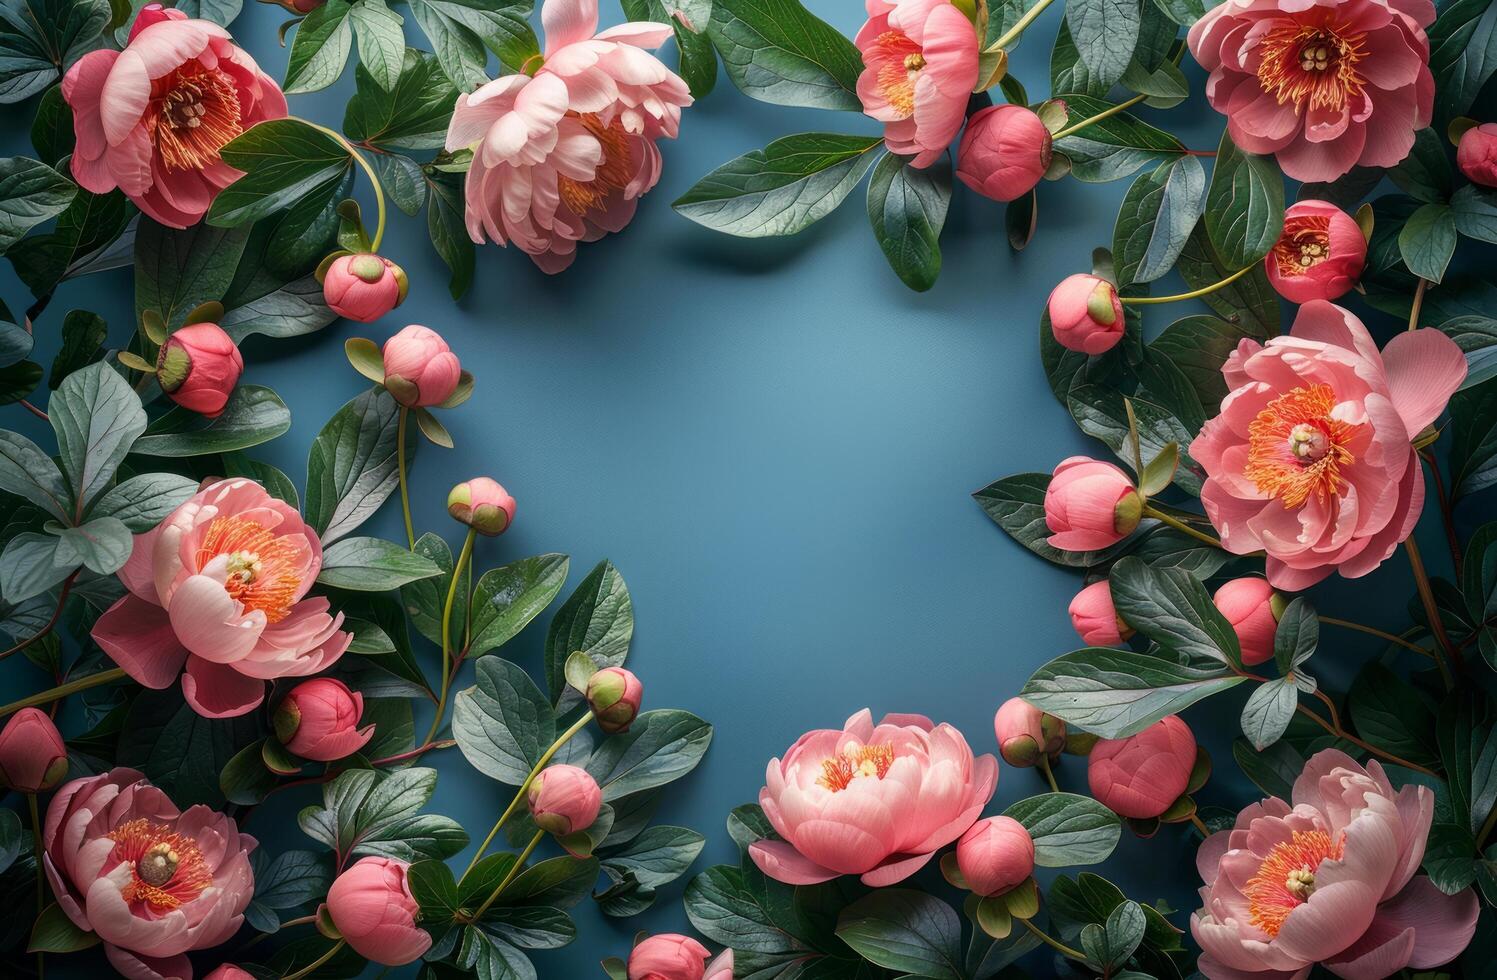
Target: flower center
1286 878
197 112
900 62
1309 65
838 772
614 170
263 571
1305 243
1295 447
167 869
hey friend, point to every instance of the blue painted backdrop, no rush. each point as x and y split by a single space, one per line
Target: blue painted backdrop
775 441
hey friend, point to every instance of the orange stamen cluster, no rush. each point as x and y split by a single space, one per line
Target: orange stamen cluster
1305 243
1296 449
166 868
838 772
1311 66
614 172
196 112
1286 878
263 568
896 76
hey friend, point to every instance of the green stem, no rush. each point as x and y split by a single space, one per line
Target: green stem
457 576
379 192
1181 526
63 690
1418 303
1432 613
514 872
1374 631
1193 294
405 492
311 967
1105 113
1044 767
41 875
1012 34
1339 732
1054 943
1200 825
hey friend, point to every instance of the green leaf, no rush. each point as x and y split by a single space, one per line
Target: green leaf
1473 439
413 115
778 51
434 890
252 416
367 812
1067 829
1017 504
381 40
906 931
1468 753
97 417
1100 412
1113 147
15 343
660 747
30 565
1157 214
447 230
320 48
182 752
1273 770
293 879
54 932
1068 72
1173 609
178 270
424 599
503 724
597 619
245 779
1198 346
1425 173
285 162
144 501
1475 212
780 190
18 381
506 599
40 39
102 545
1296 637
1463 54
658 856
402 180
1105 33
1249 303
30 193
1391 716
1244 205
83 233
1111 944
1428 240
907 209
28 472
372 565
1116 693
83 333
1450 857
1268 711
459 30
352 467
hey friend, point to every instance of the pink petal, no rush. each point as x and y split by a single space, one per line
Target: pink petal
210 623
139 637
133 966
567 22
896 868
1425 367
1443 924
784 863
218 691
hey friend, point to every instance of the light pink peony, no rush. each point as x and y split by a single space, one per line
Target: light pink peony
870 801
1094 617
420 369
564 799
1086 314
1252 607
565 156
1476 154
1090 505
319 720
1310 459
1330 880
1325 85
152 118
672 957
219 588
1024 732
1319 255
482 504
919 68
152 881
1142 775
994 855
1005 151
372 906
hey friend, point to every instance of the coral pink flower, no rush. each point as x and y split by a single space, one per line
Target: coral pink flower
1326 86
229 972
919 68
1320 254
1252 607
870 801
483 505
672 957
564 800
1024 732
198 367
420 369
565 156
1095 619
1310 459
151 119
1476 154
219 588
32 756
994 855
1005 151
1143 775
372 906
363 287
614 695
319 720
150 880
1086 314
1329 880
1090 505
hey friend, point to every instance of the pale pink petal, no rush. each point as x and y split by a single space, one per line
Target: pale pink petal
568 22
784 863
1425 367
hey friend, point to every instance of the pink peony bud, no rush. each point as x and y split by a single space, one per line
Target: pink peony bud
372 907
198 367
613 694
1024 731
420 369
319 720
994 855
564 800
32 756
1086 314
1095 618
229 972
1004 152
301 7
1090 505
1320 254
1476 154
483 505
1253 608
668 957
1143 775
363 287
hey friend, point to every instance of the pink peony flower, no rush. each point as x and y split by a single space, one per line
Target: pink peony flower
1090 505
198 367
1326 86
372 906
1095 619
1005 151
870 801
32 756
1320 254
919 68
564 799
1476 154
420 369
150 880
1024 732
565 156
229 972
1330 880
994 855
672 957
1310 459
219 588
1142 775
483 505
614 695
1086 314
152 118
363 287
319 720
1253 608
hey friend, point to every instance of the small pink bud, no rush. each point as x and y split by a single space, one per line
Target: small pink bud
1143 775
483 505
32 756
613 694
198 367
372 906
994 855
1096 619
1320 254
363 287
564 800
420 369
1253 608
668 957
1086 314
1476 154
302 7
229 972
319 720
1024 732
1004 152
1090 505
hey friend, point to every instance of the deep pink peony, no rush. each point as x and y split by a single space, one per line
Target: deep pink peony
673 957
1142 775
870 801
32 755
1326 85
219 588
919 68
1319 255
1253 608
319 720
1096 619
198 367
1476 154
152 881
372 906
1310 459
151 119
1090 505
420 369
1330 880
1005 151
564 156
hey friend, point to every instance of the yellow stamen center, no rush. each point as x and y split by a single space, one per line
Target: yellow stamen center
167 869
1295 447
197 112
838 772
1286 878
263 569
1312 66
1305 243
902 61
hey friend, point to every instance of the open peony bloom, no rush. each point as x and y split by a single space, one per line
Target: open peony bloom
152 881
672 957
1325 86
152 118
219 588
372 906
1005 151
564 157
919 68
1310 459
1319 255
870 801
1328 880
1141 776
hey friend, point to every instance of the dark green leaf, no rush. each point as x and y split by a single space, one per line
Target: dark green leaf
1425 173
320 48
597 619
1249 301
906 931
372 565
352 467
1268 711
907 209
1427 241
1473 439
1475 212
503 723
1198 346
97 417
366 812
1244 205
1468 753
55 932
777 51
1157 214
1273 770
1173 609
83 333
26 471
1067 829
381 40
177 271
660 747
411 116
658 856
179 750
447 230
1113 147
83 233
1116 693
1105 33
1391 716
252 416
40 39
1463 54
507 598
285 161
459 31
30 191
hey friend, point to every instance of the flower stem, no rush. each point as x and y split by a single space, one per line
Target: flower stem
379 192
1044 767
514 872
62 597
41 875
1339 732
1432 613
405 492
1012 34
1054 943
457 576
1193 294
63 690
1105 113
1417 304
1200 825
1181 526
312 967
415 753
1447 515
1374 631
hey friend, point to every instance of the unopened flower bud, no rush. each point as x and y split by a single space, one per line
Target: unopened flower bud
483 505
1086 314
613 694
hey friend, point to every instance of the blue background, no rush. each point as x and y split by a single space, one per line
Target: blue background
775 441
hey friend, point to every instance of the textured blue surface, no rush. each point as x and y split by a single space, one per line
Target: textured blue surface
775 441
